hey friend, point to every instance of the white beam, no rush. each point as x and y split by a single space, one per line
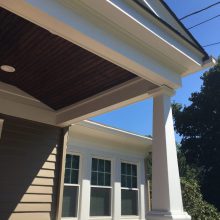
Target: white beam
124 94
166 191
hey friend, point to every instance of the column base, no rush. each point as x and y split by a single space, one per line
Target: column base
157 215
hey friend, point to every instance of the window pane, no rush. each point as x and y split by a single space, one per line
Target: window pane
100 204
107 166
123 168
68 161
129 202
129 185
134 170
101 165
74 176
107 179
101 179
75 162
67 176
70 201
128 169
123 181
94 164
134 182
94 178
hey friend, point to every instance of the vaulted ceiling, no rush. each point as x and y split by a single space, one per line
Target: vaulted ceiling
50 68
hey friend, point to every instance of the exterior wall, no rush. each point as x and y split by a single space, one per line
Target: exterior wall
29 161
88 147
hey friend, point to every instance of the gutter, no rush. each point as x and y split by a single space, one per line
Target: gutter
211 61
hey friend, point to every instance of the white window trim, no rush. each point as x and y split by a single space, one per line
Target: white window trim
116 158
137 189
105 187
73 184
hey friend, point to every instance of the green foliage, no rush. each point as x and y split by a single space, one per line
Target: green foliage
194 203
199 126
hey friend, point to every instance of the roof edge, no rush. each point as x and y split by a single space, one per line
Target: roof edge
196 45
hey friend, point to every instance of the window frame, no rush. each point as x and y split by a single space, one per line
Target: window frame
74 184
137 164
105 187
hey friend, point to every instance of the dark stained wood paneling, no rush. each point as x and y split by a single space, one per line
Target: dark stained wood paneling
29 158
51 69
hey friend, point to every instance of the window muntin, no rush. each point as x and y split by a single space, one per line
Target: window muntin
129 189
101 172
128 175
100 202
72 169
71 186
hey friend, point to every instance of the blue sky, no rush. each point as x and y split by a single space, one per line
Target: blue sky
137 117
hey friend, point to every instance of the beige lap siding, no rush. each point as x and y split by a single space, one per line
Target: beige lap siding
29 161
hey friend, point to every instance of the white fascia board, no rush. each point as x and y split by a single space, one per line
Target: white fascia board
79 24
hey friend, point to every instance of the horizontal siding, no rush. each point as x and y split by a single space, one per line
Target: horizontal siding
37 198
30 216
43 182
41 189
29 157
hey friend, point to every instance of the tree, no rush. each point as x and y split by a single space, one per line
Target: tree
193 201
199 126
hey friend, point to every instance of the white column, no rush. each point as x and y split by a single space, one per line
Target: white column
142 193
166 190
84 208
116 200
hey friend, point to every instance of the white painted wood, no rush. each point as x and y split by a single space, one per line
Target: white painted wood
95 147
116 190
84 207
166 190
124 94
1 126
142 193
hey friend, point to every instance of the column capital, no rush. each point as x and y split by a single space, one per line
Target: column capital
162 90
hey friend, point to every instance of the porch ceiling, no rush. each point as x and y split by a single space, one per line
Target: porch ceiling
50 68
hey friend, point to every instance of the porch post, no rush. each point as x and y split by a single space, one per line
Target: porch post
166 191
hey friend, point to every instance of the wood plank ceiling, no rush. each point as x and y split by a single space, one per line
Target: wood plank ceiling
50 68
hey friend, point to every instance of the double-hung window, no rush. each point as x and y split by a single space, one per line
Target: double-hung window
100 201
71 186
129 189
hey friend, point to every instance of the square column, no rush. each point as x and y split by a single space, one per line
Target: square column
166 191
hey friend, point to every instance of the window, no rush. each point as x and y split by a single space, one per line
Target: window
129 190
71 186
100 203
